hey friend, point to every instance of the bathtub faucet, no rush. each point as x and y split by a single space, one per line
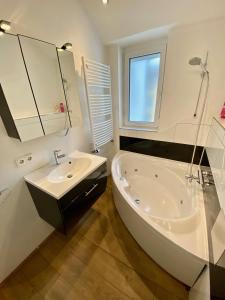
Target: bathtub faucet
191 177
207 178
204 178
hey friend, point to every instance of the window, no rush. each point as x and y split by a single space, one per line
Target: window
143 86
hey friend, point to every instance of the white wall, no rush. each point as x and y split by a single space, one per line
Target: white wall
21 229
182 81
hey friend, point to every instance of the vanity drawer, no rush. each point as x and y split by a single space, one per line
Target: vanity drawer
66 203
84 189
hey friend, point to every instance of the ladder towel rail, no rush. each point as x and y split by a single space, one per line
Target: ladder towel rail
97 77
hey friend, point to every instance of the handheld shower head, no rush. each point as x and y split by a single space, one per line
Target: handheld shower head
195 61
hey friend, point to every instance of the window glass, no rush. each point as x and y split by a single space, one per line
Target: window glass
143 87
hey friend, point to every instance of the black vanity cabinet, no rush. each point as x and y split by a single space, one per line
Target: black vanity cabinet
59 212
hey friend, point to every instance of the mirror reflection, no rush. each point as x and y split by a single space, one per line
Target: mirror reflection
43 69
67 66
16 95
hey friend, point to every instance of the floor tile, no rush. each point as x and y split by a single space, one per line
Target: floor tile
40 274
112 270
97 259
17 287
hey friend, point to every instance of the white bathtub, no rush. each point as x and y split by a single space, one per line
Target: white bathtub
163 212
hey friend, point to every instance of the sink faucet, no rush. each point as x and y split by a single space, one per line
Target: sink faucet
57 156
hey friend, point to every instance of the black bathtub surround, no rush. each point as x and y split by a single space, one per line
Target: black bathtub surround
173 151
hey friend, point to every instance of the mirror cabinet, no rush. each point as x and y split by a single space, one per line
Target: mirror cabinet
36 85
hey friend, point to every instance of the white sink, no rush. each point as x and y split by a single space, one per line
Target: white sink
68 170
59 180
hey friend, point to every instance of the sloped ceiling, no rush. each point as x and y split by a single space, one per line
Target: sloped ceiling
122 18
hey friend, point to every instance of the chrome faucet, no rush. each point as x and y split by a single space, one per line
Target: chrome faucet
57 156
207 178
204 178
198 178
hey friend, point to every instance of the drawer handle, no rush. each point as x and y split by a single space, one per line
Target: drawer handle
94 187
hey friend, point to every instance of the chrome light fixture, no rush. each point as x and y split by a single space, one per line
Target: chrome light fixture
67 46
4 26
105 2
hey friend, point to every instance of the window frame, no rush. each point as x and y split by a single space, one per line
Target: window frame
153 47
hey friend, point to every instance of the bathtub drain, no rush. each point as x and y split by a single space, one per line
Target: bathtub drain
137 201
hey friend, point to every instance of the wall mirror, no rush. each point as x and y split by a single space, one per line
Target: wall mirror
18 110
43 69
32 95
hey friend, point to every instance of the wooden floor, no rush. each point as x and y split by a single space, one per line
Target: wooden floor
98 259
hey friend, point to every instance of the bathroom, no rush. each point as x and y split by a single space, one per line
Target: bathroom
143 221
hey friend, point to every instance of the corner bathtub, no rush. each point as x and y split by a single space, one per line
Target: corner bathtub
163 212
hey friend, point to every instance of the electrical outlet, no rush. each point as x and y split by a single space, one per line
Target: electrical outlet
24 160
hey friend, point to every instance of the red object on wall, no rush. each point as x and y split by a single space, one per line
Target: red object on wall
61 107
222 114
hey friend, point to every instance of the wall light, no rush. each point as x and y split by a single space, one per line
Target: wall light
67 46
5 26
105 2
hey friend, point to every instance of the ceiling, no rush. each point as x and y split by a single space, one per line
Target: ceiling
123 18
